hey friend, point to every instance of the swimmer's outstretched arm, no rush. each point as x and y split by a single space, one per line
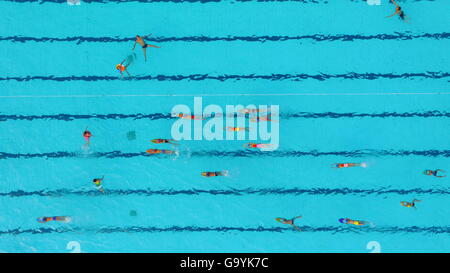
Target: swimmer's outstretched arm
393 2
393 14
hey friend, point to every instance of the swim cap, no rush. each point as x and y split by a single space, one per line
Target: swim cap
343 220
120 67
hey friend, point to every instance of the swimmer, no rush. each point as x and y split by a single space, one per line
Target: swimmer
236 129
158 151
257 145
263 118
411 204
434 173
252 110
98 183
289 222
87 135
353 222
189 116
348 165
161 141
399 11
121 67
211 174
54 218
140 40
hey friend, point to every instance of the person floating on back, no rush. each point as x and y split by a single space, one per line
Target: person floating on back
289 222
399 11
140 40
434 173
411 204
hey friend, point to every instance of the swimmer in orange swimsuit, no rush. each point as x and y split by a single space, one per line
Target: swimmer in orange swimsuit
399 11
161 141
257 145
211 174
158 151
411 204
348 165
289 222
434 173
123 68
140 40
87 135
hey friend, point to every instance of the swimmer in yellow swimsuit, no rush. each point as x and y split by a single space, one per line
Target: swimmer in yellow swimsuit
411 204
349 221
237 129
98 183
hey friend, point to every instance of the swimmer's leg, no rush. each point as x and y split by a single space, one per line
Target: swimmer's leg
145 52
439 170
296 227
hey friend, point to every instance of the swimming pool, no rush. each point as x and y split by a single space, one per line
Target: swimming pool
351 86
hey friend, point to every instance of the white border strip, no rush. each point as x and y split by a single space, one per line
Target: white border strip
226 95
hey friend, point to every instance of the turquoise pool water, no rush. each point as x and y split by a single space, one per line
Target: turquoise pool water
351 84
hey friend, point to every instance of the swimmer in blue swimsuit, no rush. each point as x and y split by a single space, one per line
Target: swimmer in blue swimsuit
289 222
399 11
434 173
140 40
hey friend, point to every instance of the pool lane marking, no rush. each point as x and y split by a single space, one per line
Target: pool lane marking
226 95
